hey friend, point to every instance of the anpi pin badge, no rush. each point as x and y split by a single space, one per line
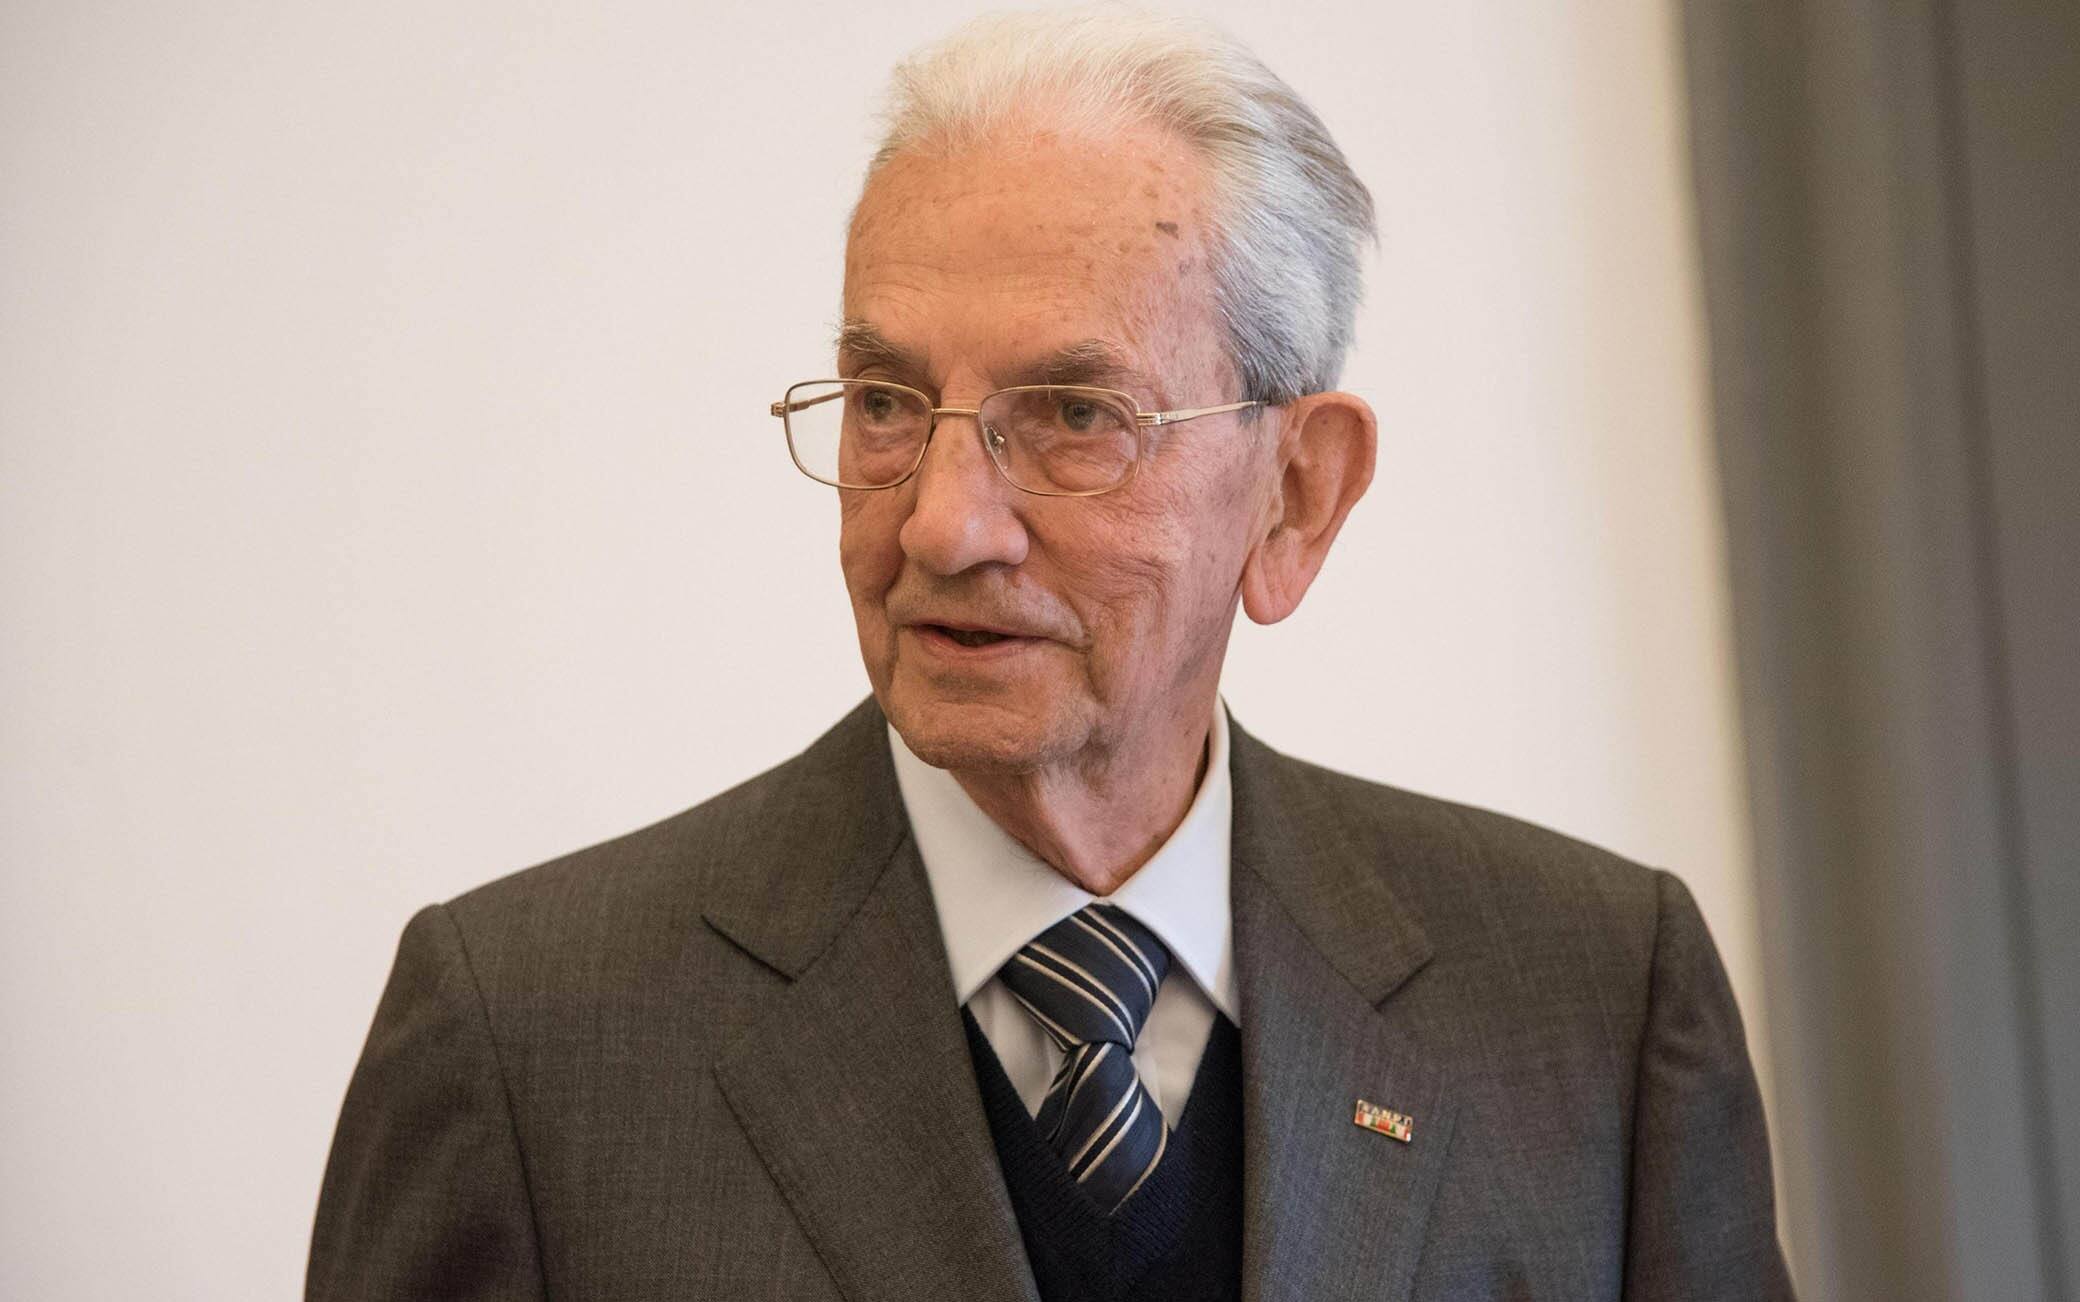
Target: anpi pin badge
1386 1121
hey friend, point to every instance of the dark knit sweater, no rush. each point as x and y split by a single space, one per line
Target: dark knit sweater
1180 1235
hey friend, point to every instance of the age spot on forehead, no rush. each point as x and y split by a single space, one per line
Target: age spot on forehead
1168 228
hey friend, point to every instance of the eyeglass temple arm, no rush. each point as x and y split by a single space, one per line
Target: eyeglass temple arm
1145 418
1190 413
783 407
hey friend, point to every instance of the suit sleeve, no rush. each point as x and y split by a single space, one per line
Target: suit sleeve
425 1196
1702 1216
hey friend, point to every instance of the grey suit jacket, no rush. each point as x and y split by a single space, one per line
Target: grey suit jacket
721 1058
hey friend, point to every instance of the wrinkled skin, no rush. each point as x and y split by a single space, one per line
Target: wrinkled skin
1083 734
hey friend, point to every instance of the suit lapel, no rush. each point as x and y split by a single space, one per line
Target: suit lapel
1331 1211
856 1090
855 1086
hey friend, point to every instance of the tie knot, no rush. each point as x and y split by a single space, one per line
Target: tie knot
1090 978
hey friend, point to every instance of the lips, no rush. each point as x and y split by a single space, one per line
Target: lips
970 636
966 640
977 626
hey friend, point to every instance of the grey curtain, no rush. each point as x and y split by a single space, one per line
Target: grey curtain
1890 216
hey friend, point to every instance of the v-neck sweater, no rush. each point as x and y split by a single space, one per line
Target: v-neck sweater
1178 1238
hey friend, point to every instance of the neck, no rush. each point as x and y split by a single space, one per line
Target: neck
1097 818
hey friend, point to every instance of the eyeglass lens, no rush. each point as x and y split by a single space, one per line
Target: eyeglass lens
1049 439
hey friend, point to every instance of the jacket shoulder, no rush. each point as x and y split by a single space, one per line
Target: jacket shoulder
1444 851
1541 945
1522 920
636 895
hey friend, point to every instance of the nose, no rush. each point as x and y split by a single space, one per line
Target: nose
962 512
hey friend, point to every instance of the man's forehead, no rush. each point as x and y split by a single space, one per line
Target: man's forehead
1043 204
1074 258
1024 167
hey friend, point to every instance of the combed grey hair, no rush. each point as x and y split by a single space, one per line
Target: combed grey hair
1290 216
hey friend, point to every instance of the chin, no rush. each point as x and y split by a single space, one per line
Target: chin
980 736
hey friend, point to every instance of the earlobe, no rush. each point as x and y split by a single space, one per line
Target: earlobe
1263 597
1326 461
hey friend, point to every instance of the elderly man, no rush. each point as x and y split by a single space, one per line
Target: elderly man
1037 976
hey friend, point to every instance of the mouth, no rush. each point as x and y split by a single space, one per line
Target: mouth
956 639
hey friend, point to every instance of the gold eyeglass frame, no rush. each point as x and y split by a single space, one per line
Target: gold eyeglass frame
1142 420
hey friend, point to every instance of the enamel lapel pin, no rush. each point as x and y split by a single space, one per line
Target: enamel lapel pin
1385 1121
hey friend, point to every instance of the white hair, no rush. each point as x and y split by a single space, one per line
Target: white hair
1289 214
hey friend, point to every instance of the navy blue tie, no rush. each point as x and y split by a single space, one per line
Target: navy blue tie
1089 981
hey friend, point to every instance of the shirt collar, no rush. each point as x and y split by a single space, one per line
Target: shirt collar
993 895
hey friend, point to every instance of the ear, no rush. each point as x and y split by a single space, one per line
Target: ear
1325 455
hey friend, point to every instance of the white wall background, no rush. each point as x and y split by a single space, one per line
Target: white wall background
389 503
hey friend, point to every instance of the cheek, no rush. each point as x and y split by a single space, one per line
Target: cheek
1148 570
1173 572
869 547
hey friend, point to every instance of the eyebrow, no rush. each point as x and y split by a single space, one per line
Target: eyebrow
1098 362
861 344
1091 361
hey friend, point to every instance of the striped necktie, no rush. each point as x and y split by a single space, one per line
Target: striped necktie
1089 981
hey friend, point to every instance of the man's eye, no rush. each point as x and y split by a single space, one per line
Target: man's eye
879 404
1076 414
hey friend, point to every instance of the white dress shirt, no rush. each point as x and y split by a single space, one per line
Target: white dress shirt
993 895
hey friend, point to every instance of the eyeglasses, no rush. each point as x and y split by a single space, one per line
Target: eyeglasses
1052 439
